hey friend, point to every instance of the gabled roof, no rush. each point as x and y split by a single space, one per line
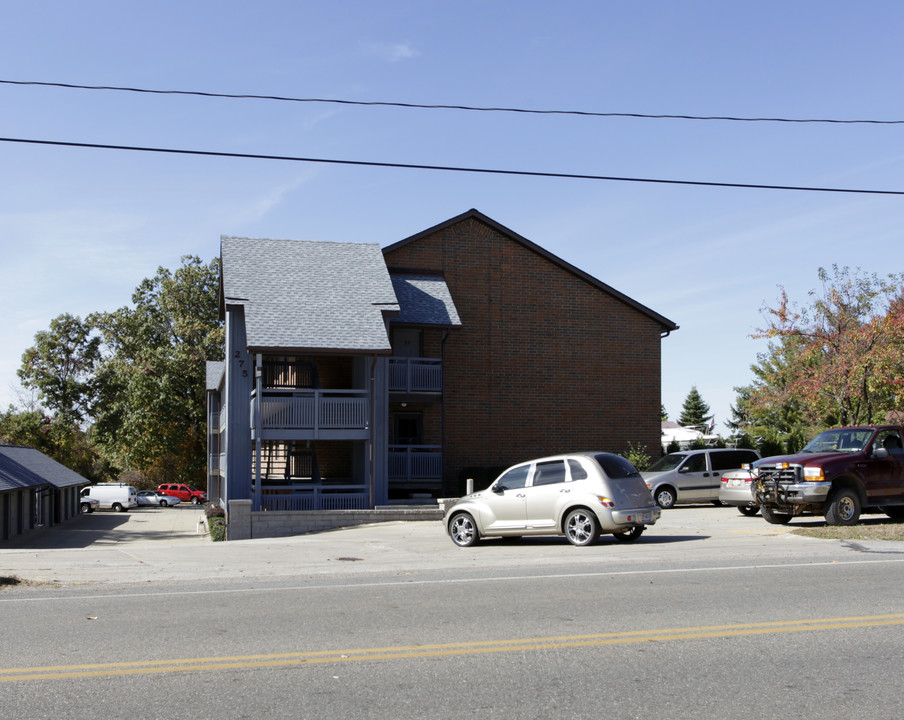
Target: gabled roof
424 300
309 296
23 467
666 324
214 373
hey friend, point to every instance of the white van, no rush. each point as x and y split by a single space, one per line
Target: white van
116 496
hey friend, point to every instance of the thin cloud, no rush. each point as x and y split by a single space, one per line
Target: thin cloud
391 52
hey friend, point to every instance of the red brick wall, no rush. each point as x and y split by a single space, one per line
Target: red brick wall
543 362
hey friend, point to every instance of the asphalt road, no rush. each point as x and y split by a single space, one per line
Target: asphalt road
708 615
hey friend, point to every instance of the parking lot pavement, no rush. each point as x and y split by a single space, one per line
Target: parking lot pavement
164 545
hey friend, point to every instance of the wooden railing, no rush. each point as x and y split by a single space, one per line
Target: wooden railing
313 409
314 497
415 462
415 374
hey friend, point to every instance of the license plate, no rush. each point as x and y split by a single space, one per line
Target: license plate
735 483
646 517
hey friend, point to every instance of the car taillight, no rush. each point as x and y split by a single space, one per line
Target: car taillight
606 502
724 479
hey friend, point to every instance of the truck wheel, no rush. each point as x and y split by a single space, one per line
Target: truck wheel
774 518
843 508
117 507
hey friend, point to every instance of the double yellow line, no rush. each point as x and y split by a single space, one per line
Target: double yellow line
406 652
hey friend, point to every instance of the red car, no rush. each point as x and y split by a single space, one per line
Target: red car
184 493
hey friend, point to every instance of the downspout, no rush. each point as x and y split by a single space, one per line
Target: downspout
370 459
442 411
258 417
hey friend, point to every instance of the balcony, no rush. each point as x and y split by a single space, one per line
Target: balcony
415 462
415 375
312 414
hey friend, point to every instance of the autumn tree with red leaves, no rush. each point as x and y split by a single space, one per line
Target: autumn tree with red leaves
838 360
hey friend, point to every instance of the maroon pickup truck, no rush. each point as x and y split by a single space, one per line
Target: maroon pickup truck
839 474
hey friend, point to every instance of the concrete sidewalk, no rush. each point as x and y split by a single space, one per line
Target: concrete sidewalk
162 545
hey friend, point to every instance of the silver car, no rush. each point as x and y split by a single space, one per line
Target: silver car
578 495
152 497
736 489
693 476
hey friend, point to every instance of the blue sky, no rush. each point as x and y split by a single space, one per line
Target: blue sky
80 228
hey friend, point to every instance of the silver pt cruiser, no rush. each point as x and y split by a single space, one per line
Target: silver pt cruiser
578 495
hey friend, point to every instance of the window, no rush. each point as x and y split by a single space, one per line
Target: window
577 470
695 463
616 466
514 478
548 473
731 459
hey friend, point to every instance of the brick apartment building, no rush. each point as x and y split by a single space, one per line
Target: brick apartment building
358 378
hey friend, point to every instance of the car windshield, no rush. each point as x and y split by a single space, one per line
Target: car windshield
847 440
668 462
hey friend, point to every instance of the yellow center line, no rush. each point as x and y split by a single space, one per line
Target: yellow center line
317 657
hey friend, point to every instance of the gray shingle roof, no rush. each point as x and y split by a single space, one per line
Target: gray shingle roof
215 369
424 300
309 295
22 467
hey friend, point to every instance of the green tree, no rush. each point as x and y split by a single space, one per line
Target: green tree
695 411
836 360
150 412
60 367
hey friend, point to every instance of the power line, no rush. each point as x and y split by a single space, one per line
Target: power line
448 168
373 103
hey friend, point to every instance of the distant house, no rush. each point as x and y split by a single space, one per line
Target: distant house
36 492
357 377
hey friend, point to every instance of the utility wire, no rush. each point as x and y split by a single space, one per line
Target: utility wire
455 107
447 168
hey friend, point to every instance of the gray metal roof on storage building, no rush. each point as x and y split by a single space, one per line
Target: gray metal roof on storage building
306 295
424 300
22 467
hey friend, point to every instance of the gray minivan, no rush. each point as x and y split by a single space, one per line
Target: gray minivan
693 475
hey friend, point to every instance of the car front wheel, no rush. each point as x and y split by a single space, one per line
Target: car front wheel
843 508
163 503
195 501
775 518
463 530
581 527
749 510
665 497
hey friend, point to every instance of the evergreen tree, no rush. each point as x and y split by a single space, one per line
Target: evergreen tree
695 411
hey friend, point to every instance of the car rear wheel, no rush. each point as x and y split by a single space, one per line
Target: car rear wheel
665 497
581 527
630 535
843 508
775 518
463 530
749 510
117 507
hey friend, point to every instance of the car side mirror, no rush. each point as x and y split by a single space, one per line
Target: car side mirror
499 489
880 453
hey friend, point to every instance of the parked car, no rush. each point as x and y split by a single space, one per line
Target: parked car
183 492
115 496
577 495
693 475
737 489
88 504
156 498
